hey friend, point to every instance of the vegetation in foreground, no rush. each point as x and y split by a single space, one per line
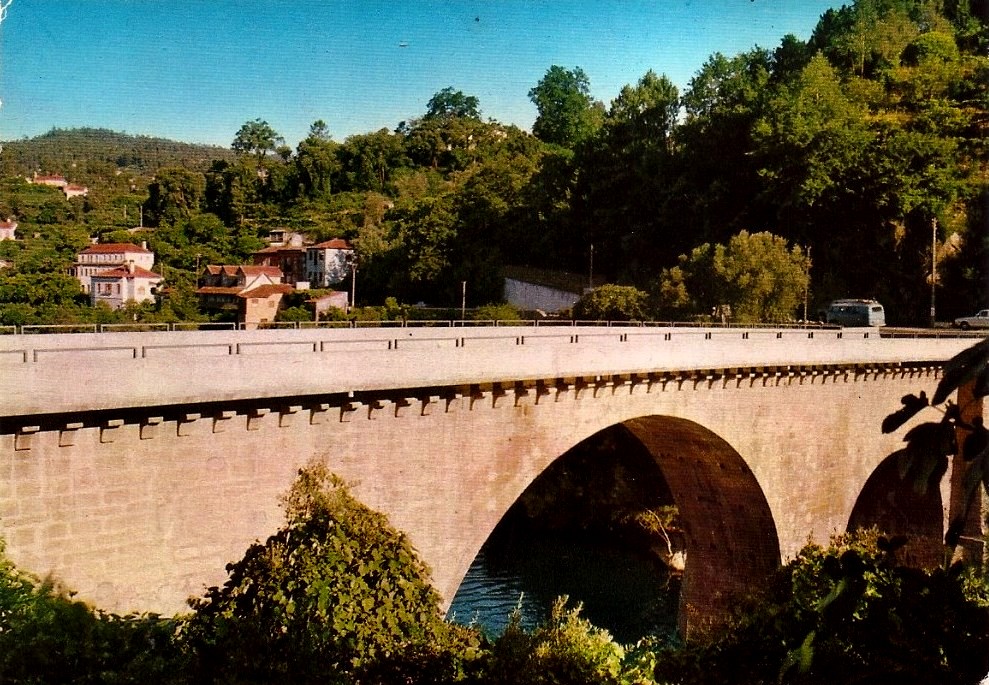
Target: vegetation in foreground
337 596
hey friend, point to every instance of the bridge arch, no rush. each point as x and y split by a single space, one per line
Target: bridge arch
898 506
732 543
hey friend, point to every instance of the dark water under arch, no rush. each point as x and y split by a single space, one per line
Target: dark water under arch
569 534
622 591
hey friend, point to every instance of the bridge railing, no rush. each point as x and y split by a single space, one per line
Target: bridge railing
137 327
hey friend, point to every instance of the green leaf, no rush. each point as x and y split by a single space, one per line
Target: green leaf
965 366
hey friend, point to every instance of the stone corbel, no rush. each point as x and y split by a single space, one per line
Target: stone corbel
67 435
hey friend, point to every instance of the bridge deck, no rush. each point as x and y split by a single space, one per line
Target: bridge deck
43 374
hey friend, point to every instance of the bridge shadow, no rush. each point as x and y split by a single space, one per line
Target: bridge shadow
899 507
731 539
611 485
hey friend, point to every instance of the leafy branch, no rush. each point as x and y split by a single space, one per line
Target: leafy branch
925 458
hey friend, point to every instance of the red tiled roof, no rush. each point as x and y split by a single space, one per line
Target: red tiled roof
335 244
105 248
124 272
8 224
267 290
217 290
278 249
254 270
228 269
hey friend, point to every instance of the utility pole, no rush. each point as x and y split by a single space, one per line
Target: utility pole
933 269
463 300
590 273
806 283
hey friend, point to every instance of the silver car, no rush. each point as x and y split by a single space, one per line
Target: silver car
980 320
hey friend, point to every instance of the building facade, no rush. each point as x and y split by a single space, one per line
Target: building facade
329 263
290 259
106 256
253 293
116 287
7 230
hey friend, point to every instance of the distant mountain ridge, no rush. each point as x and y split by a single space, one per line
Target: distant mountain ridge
60 150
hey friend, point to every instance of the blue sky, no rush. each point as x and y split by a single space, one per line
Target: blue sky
196 70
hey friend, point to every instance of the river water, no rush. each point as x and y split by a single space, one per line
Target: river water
621 591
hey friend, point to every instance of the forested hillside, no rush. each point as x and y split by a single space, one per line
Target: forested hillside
92 152
863 147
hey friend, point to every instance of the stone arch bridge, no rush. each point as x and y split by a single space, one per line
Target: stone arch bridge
135 466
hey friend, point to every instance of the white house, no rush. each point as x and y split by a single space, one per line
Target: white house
329 262
106 256
123 284
7 229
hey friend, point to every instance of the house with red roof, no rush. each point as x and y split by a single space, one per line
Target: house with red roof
54 180
290 259
254 292
7 229
60 182
118 286
329 263
75 190
105 256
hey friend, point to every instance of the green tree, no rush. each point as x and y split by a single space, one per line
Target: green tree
567 114
812 136
175 193
256 138
623 178
449 103
335 593
47 637
612 303
843 614
316 162
757 275
565 649
371 160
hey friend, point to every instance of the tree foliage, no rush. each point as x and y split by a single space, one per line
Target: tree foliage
757 275
845 613
852 144
929 445
567 114
449 103
612 303
330 595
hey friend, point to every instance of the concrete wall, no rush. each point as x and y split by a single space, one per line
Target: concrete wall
530 296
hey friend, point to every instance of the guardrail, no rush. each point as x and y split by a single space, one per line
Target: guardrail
34 329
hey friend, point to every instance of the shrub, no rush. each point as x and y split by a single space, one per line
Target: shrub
566 649
335 594
846 614
495 312
612 303
47 637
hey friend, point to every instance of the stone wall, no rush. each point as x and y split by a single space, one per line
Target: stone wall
141 511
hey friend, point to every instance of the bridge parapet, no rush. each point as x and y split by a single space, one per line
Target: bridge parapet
45 374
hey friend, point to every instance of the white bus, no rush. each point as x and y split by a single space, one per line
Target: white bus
855 313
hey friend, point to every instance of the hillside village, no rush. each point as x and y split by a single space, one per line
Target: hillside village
118 274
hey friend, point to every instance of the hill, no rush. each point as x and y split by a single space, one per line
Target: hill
96 150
